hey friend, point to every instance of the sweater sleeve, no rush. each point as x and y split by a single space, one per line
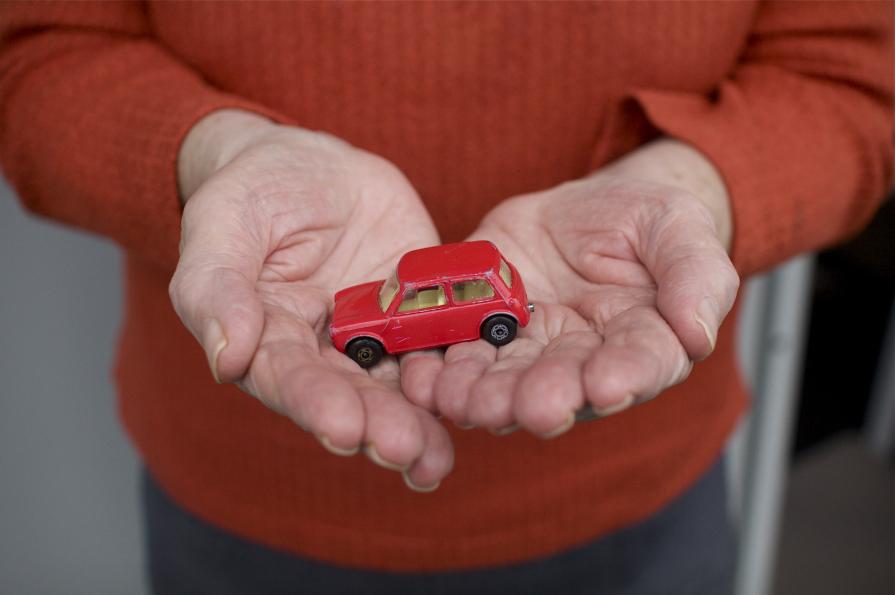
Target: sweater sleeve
801 130
92 115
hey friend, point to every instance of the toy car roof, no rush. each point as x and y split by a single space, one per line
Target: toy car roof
447 261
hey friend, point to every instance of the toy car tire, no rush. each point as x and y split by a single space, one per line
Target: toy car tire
499 330
365 351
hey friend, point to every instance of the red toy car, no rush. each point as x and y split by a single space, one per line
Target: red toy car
438 296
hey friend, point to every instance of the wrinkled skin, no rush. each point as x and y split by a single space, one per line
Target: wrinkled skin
628 269
286 220
630 283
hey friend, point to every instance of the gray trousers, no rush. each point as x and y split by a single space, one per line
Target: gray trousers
687 548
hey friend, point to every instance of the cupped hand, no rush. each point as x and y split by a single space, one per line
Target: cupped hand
277 220
631 282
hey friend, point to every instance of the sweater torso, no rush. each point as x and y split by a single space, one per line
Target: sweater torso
475 102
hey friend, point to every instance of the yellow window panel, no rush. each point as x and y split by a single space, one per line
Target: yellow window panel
470 291
420 299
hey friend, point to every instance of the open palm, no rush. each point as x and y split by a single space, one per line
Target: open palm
267 240
630 284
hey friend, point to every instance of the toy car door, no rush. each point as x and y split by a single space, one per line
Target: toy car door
473 300
419 319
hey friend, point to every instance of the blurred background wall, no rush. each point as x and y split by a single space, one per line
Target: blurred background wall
69 518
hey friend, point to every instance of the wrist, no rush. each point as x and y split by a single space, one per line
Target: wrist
673 163
213 142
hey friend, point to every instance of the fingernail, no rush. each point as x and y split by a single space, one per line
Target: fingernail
214 342
504 431
620 406
709 318
374 456
342 452
417 488
561 429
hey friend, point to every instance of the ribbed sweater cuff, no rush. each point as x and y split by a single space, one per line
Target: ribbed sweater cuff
155 149
762 231
800 157
91 132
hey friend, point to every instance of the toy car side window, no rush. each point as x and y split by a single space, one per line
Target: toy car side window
471 291
505 273
420 299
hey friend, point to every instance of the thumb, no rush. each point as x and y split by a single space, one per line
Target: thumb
213 288
697 284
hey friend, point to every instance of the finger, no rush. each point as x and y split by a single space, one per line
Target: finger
640 357
437 460
289 375
490 402
213 288
551 391
696 281
387 372
419 369
344 409
325 404
464 363
394 436
220 307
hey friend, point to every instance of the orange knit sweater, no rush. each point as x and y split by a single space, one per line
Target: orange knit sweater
475 102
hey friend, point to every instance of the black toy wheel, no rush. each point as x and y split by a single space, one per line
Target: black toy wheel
366 352
499 330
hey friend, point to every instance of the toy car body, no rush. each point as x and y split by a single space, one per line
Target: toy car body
438 296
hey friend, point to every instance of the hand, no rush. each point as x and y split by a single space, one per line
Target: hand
631 281
277 219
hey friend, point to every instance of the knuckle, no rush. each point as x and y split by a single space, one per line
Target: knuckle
684 367
175 292
733 279
182 290
730 283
